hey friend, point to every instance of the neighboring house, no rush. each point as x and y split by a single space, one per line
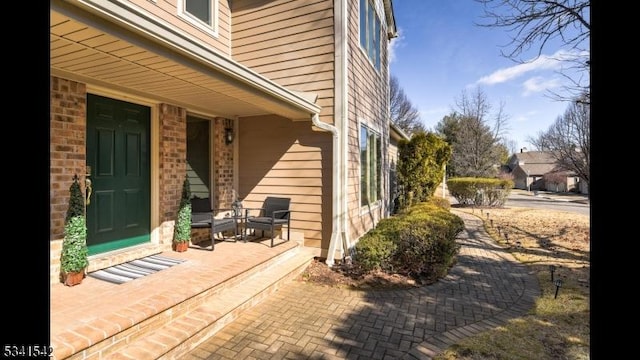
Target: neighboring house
247 97
537 170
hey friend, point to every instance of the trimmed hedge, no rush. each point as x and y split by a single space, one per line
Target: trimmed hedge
420 242
490 192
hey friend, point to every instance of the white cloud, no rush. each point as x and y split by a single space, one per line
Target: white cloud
538 84
394 44
543 62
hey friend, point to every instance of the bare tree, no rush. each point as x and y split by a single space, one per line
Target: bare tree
511 146
403 114
569 139
477 105
541 23
477 147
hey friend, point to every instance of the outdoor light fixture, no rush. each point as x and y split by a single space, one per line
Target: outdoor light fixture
228 131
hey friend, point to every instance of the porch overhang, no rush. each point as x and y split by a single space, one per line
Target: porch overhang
396 133
108 45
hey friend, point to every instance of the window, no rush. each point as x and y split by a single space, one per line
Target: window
201 9
370 166
202 13
370 32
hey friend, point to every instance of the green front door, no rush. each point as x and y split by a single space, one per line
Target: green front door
118 205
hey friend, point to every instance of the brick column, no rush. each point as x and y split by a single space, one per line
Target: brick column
172 166
223 166
67 146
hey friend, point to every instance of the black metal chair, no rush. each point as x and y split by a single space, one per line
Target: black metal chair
273 215
202 216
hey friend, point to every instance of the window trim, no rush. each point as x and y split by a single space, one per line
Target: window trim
195 21
371 9
371 130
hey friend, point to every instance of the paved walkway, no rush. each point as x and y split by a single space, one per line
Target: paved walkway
485 289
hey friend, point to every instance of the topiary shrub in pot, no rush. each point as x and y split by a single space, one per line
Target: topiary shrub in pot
74 257
182 229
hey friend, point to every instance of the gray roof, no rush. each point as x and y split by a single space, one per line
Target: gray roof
534 163
535 157
537 169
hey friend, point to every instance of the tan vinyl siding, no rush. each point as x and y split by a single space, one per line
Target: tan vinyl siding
289 41
368 101
283 158
286 61
301 30
167 11
292 43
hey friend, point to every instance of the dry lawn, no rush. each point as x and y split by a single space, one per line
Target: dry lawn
558 326
541 238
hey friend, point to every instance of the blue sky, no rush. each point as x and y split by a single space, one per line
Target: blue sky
440 53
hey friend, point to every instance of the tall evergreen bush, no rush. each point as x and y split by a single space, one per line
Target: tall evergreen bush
182 229
75 254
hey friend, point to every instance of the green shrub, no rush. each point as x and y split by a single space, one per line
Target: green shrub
427 246
421 167
440 202
76 200
182 229
373 251
491 192
428 207
419 242
74 255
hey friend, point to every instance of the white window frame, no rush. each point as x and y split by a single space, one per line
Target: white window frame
371 8
378 152
211 29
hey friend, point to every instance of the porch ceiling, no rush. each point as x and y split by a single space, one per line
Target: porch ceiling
92 49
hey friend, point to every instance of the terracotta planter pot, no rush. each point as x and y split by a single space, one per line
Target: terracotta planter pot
74 278
181 246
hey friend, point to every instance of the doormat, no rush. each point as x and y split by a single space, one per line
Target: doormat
122 273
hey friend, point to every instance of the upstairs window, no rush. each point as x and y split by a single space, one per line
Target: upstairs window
370 32
201 13
201 9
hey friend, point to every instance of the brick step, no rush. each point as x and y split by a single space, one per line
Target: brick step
183 327
96 318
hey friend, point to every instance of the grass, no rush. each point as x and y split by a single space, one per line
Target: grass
556 327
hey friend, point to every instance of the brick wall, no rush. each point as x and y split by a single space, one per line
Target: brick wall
68 157
172 166
223 166
67 148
